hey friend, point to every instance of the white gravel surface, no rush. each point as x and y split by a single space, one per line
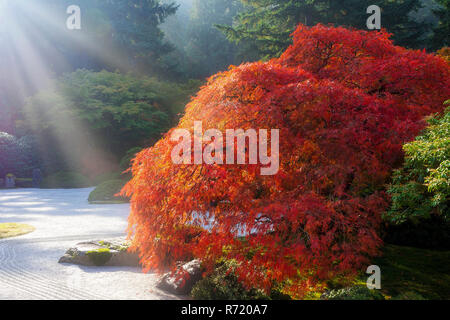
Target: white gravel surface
29 267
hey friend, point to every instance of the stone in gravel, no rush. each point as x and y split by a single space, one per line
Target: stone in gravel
101 253
183 280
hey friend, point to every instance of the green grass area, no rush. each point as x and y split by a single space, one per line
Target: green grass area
406 274
8 230
412 273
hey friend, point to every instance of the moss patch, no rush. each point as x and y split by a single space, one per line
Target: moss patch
99 257
8 230
106 192
118 247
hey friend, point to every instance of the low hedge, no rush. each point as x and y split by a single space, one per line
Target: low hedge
107 177
65 180
426 233
106 191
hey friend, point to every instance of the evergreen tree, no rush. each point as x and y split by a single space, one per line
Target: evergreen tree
135 27
208 49
442 31
266 25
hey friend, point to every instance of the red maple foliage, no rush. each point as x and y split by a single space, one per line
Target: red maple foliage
345 101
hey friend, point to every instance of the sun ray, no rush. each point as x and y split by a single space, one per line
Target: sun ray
31 73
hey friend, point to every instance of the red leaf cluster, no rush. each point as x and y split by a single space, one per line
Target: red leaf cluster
345 101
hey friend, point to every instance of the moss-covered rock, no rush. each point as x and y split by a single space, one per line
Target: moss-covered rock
99 257
113 252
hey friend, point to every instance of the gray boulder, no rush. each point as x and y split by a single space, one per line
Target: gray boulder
183 280
101 253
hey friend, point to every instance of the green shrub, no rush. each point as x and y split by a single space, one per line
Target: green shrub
99 257
353 293
107 177
224 285
106 191
65 180
125 163
422 187
128 109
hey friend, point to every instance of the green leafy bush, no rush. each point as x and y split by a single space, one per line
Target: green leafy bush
427 233
422 187
106 191
116 111
125 163
65 180
107 177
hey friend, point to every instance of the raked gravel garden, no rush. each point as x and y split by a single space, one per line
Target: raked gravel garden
29 267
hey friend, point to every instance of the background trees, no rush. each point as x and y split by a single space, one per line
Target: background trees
105 111
265 26
202 49
441 32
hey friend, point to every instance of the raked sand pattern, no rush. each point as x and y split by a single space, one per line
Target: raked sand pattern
29 267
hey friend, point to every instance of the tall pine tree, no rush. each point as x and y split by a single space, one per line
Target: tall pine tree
266 25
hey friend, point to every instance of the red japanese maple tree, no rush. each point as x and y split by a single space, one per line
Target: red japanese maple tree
345 101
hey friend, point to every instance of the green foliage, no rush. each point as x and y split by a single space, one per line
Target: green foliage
99 257
65 180
122 247
264 29
201 49
422 187
353 293
222 284
429 233
106 191
128 30
111 111
442 31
